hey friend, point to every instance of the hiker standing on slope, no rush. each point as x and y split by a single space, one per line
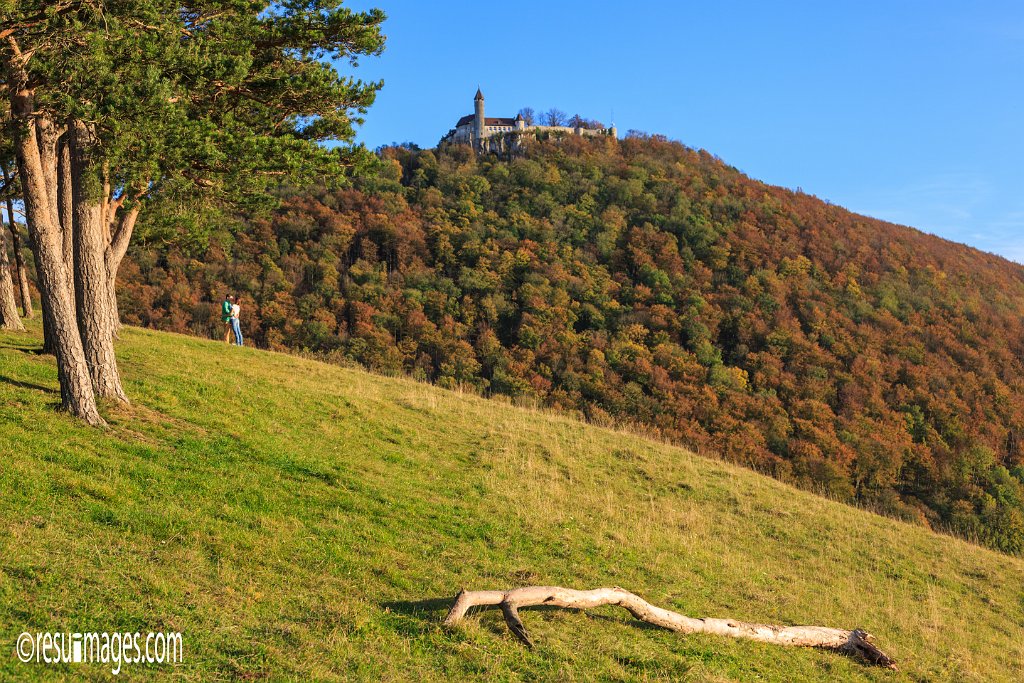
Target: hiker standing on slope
226 308
236 325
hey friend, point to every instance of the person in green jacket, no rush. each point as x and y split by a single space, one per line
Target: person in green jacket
225 315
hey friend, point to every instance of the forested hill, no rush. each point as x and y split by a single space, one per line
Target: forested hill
645 282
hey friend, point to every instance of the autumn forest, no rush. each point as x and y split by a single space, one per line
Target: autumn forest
642 283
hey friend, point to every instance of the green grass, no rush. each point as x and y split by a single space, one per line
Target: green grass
302 521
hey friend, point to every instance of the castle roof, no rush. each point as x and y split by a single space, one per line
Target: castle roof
488 121
479 95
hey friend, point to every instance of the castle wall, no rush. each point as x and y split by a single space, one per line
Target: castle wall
569 130
510 140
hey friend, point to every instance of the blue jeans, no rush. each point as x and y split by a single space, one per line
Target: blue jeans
237 328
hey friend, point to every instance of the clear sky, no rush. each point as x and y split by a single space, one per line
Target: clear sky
906 110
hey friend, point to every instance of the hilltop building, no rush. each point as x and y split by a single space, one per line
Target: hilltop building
491 134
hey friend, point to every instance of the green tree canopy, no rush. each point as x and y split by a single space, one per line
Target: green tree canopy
115 102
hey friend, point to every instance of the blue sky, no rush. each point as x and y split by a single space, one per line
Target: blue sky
905 110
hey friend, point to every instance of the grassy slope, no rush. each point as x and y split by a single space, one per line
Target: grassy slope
299 520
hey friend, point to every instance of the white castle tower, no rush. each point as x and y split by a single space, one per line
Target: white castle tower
478 118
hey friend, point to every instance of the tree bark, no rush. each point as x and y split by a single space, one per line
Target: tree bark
9 319
119 239
65 200
77 395
24 293
49 341
49 136
91 288
55 163
856 643
49 344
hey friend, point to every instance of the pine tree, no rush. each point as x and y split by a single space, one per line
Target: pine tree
113 104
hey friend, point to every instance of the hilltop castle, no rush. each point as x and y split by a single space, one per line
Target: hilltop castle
490 134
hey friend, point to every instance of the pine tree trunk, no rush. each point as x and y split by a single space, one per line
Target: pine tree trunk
49 345
91 288
77 395
24 293
48 139
114 315
65 200
116 250
9 319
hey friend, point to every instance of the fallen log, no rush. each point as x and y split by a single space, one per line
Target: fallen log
855 643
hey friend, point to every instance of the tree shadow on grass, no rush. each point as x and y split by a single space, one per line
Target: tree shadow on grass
420 617
28 385
416 618
419 608
430 612
434 609
622 621
24 345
